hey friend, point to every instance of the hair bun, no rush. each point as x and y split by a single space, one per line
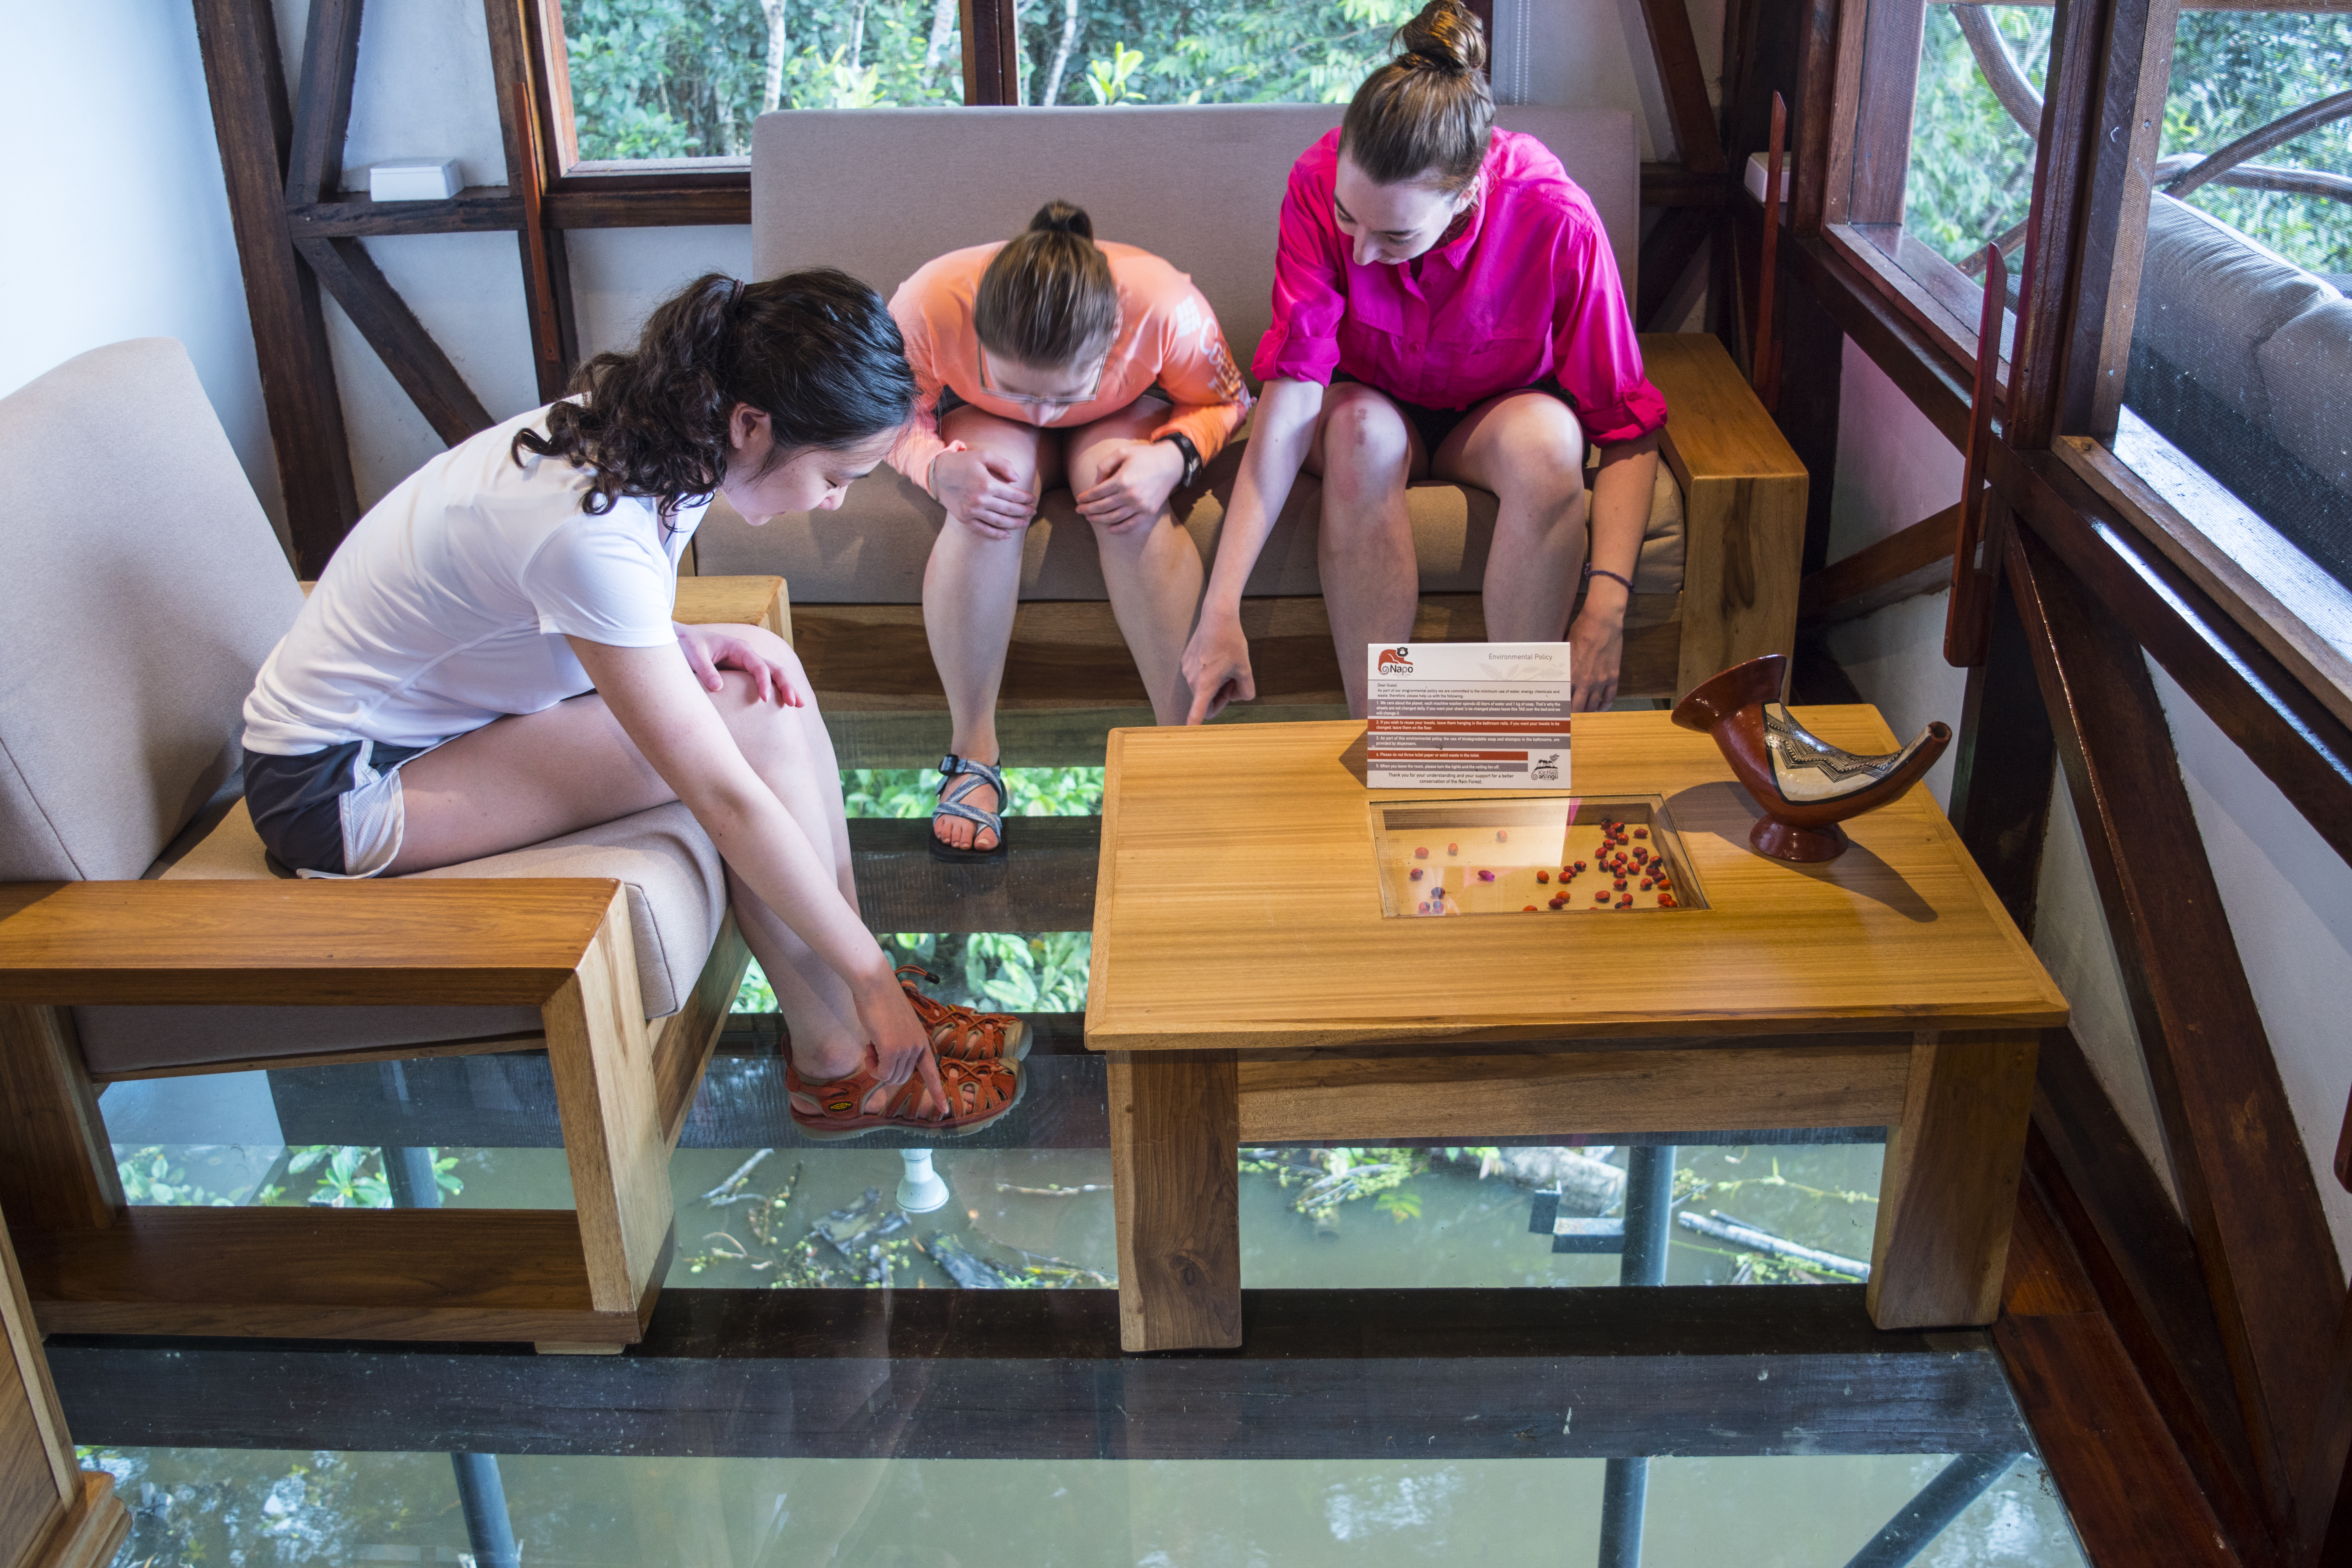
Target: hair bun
1064 218
1447 35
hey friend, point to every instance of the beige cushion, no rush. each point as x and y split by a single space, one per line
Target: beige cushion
1201 186
876 555
140 587
678 897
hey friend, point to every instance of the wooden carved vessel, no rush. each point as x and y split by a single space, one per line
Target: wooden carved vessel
1806 785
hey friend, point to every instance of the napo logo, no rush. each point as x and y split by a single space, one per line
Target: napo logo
1545 767
1396 661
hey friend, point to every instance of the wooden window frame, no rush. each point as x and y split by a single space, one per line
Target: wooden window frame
2111 66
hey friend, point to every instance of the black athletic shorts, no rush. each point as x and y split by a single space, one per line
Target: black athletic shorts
331 813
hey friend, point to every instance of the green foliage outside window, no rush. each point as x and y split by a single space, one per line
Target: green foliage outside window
2235 71
1971 174
685 79
1971 171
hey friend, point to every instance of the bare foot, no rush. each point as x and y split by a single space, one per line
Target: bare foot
962 833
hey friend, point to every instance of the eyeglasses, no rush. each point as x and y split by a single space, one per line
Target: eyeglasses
1094 387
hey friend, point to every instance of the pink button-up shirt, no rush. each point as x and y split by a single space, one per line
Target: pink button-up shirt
1529 290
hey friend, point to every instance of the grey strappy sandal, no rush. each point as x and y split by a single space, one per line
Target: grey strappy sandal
952 791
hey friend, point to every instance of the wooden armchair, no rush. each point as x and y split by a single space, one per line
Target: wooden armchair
142 934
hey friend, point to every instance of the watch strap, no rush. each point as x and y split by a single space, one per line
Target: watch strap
1184 444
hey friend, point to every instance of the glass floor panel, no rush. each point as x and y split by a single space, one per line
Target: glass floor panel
218 1506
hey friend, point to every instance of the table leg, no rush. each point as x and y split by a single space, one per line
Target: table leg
1950 1186
1175 1139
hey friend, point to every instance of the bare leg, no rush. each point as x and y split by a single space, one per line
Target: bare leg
536 776
1528 448
1365 450
972 588
1152 568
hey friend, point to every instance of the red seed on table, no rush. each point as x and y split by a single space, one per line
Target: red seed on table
1645 884
1485 875
1580 865
1422 853
1416 873
1502 835
1641 833
1454 849
1619 884
1529 910
1543 876
1665 900
1600 895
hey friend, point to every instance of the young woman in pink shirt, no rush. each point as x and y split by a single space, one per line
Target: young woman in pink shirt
1445 302
1049 359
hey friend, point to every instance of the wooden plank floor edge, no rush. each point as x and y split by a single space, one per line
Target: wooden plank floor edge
2128 1491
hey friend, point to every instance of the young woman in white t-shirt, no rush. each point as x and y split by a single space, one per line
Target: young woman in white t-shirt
488 661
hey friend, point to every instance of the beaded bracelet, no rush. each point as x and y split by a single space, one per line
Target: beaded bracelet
1591 571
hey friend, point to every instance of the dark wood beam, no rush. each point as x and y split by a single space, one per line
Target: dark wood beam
1675 52
2051 273
254 126
1674 244
2005 758
2294 738
1913 561
2324 1496
2130 1494
2140 1260
992 44
598 201
516 51
1936 384
2135 71
322 113
1878 164
1675 186
1037 1374
477 209
2262 1242
398 338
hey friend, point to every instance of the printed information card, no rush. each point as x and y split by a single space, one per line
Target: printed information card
1468 715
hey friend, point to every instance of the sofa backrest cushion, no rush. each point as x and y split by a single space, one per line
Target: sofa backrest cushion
2307 375
878 192
140 587
2210 298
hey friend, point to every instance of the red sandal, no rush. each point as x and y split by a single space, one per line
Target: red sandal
961 1035
977 1094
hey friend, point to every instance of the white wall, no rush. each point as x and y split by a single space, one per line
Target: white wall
2287 895
120 227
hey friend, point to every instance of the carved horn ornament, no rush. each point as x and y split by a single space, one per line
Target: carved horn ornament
1805 785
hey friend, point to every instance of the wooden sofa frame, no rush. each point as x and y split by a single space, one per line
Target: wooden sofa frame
581 1281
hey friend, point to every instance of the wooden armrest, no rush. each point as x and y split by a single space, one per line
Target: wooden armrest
1743 507
493 941
722 601
735 601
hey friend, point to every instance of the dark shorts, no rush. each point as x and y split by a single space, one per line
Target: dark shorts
332 812
1434 424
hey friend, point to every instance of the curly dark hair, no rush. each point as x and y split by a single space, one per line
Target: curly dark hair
1428 113
815 351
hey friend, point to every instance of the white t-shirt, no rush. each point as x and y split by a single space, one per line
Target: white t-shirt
448 603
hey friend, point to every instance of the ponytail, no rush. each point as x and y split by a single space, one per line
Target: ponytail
1047 297
816 352
1427 114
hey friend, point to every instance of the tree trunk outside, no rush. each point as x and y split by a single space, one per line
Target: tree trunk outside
771 97
943 20
1053 93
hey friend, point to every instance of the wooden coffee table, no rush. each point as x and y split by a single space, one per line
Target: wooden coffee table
1247 989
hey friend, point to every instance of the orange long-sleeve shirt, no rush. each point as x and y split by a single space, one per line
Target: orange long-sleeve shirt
1167 335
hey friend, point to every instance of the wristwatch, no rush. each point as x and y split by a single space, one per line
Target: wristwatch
1184 444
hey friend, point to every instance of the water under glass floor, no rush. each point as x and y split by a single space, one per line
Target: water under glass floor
1437 1363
